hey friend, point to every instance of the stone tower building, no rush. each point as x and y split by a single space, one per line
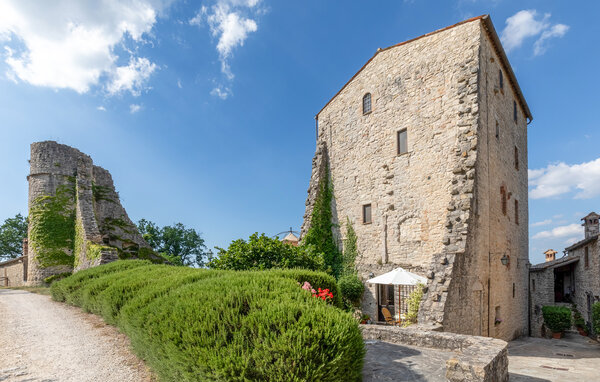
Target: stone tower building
427 154
76 220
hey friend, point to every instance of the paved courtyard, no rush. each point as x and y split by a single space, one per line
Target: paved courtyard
573 358
391 362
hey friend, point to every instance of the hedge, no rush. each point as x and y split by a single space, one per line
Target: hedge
557 318
205 325
596 317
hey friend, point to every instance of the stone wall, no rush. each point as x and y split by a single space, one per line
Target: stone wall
477 358
541 284
102 231
12 272
436 208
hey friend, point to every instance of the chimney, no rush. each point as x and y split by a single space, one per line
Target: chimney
550 255
590 223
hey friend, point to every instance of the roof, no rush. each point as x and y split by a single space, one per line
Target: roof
582 242
592 214
489 27
554 263
290 237
11 261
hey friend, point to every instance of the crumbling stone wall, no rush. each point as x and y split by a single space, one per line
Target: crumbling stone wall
436 208
66 187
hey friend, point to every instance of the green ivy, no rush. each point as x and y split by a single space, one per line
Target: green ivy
52 227
350 248
101 193
320 233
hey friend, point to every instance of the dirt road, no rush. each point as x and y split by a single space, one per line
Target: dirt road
45 341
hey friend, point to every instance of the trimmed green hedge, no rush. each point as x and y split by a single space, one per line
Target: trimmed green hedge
557 318
596 317
206 325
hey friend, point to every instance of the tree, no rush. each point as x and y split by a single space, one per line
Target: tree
12 233
178 244
263 252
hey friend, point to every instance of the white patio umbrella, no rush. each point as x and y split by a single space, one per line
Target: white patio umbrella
398 276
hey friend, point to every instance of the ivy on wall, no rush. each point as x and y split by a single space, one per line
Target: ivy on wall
320 233
52 227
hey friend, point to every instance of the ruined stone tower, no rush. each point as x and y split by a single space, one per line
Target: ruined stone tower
427 154
76 220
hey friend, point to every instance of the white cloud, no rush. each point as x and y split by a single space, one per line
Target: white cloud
231 21
572 240
541 223
221 92
131 77
525 24
71 44
558 179
561 231
133 108
557 30
101 108
179 85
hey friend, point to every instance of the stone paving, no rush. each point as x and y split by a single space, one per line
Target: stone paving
391 362
573 358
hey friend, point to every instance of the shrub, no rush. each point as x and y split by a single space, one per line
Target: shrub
351 288
316 279
207 325
557 318
596 317
414 301
262 252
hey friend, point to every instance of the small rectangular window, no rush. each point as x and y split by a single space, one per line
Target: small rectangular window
533 285
586 257
503 199
514 290
402 142
516 212
501 78
366 214
515 110
497 130
516 158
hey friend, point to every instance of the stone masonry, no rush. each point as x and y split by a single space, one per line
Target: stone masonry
455 204
102 230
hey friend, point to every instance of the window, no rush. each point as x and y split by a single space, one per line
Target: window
501 79
516 212
497 130
367 103
515 110
513 290
533 285
586 257
402 142
366 214
516 158
503 198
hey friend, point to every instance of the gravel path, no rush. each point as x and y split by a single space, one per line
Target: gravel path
45 341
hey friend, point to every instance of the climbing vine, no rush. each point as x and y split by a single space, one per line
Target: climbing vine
350 248
52 227
320 233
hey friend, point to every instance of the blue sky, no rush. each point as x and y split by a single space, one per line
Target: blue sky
204 111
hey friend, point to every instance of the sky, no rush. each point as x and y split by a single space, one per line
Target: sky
203 111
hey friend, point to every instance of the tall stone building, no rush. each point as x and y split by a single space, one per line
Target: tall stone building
76 220
426 148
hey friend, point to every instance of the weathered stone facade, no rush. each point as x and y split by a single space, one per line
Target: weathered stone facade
12 272
571 279
65 186
437 209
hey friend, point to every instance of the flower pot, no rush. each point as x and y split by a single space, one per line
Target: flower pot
557 335
582 332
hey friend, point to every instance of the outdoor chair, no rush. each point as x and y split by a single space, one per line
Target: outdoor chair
388 317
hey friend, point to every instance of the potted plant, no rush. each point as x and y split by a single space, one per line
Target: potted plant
580 325
365 319
557 319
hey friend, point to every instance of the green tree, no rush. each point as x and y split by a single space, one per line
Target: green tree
350 249
320 233
178 244
12 233
263 252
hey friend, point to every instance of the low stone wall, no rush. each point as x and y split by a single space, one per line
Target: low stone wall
12 272
477 359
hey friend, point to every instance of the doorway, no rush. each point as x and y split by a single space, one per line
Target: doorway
385 299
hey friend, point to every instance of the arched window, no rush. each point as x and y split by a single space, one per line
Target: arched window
367 103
